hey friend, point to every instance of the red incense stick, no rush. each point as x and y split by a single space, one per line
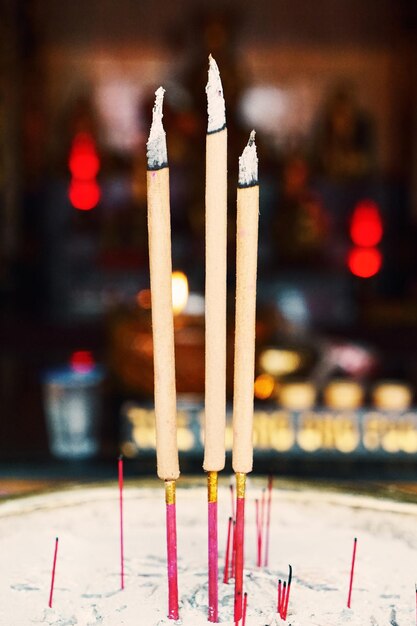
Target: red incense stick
232 497
355 541
122 559
51 593
239 544
279 596
258 535
226 556
213 558
261 526
283 595
268 521
287 597
245 606
171 523
233 559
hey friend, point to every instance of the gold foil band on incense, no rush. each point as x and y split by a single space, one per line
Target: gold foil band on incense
212 486
240 484
170 491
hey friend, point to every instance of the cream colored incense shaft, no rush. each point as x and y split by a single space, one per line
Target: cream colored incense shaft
159 226
216 246
246 266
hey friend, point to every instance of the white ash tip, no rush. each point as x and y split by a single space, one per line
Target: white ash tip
248 164
215 100
156 147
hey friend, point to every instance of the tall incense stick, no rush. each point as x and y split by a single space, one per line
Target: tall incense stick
159 226
122 558
352 569
215 354
51 592
244 361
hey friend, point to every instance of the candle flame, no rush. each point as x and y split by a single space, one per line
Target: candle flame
179 292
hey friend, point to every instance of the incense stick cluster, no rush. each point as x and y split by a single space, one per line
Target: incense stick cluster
159 227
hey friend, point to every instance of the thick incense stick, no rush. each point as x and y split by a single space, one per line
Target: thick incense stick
213 567
171 524
159 226
239 543
215 319
352 569
51 593
216 249
122 559
246 264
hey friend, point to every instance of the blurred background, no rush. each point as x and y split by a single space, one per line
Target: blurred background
331 89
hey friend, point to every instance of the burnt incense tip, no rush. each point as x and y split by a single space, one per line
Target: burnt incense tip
230 519
156 147
248 164
120 457
355 539
216 108
289 575
56 539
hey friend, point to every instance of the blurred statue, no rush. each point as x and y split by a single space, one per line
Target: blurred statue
344 142
301 224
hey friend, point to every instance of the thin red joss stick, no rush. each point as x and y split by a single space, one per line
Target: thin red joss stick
233 559
287 597
51 593
258 535
355 541
283 595
213 554
279 596
171 523
239 544
245 606
268 521
232 496
226 556
122 560
261 526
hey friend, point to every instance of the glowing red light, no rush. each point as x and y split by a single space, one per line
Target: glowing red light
366 224
364 262
84 194
82 361
83 160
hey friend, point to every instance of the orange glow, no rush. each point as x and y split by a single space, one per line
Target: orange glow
143 298
366 224
364 262
264 386
82 361
83 161
84 194
179 292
